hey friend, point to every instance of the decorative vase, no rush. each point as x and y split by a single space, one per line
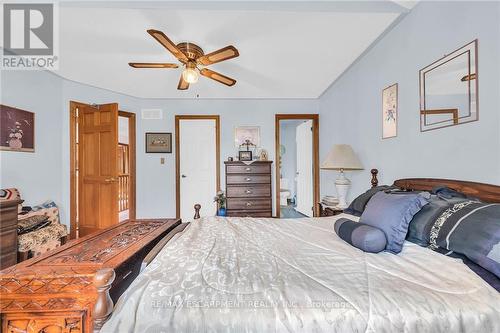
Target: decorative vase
15 143
221 212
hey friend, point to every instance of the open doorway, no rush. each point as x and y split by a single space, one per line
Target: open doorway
297 167
102 165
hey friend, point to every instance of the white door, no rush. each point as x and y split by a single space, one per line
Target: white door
198 166
304 177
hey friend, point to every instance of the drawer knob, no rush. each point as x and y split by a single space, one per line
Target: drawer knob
248 169
249 204
248 191
248 179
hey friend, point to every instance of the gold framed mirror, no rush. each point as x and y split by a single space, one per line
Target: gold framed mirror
449 89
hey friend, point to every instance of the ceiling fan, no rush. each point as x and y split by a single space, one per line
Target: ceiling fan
193 59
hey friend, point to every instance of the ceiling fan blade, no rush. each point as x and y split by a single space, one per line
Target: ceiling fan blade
218 77
225 53
168 44
183 85
152 65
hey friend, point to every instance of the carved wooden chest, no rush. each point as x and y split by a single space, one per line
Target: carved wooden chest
55 291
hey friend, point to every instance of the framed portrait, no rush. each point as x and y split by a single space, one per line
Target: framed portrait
17 129
244 133
244 155
390 112
158 142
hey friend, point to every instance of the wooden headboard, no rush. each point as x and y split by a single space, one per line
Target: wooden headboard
484 192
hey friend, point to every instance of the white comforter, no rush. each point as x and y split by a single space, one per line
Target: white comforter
275 275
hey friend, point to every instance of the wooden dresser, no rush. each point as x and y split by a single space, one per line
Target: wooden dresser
57 291
8 232
248 189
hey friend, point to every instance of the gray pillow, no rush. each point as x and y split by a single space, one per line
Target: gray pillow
358 205
392 213
362 236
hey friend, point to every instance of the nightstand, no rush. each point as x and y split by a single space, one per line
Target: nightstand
329 210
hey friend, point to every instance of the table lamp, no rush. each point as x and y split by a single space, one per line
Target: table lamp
342 157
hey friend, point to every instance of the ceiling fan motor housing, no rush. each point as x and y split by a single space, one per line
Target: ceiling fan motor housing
192 51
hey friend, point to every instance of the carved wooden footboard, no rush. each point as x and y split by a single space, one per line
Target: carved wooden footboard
72 288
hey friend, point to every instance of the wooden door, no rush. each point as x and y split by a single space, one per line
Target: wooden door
98 167
304 178
198 165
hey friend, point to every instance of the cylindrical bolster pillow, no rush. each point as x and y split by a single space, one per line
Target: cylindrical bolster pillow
360 235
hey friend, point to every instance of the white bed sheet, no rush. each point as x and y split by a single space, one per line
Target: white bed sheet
275 275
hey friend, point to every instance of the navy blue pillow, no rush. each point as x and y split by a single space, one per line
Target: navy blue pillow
392 214
362 236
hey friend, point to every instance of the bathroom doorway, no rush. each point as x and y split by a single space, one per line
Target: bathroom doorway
297 167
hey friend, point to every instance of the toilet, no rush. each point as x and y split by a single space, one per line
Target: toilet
284 192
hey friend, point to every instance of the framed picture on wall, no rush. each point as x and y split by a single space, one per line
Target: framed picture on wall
17 129
158 142
244 133
390 112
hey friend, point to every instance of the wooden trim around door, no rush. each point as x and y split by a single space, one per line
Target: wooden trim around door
315 150
178 118
132 155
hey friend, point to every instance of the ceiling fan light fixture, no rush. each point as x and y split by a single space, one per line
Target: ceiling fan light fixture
190 75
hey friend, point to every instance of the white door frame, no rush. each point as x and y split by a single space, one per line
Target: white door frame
178 118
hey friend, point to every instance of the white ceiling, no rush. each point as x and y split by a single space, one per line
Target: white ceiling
288 49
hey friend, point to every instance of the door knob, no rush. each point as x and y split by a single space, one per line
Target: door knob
110 180
183 176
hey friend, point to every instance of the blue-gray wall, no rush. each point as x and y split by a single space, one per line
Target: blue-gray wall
45 174
350 112
351 107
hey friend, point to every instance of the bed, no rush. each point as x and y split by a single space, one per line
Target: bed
275 275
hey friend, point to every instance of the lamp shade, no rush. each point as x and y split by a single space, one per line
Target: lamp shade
341 157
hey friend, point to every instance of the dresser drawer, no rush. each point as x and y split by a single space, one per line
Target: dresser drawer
247 213
249 204
248 191
261 168
248 179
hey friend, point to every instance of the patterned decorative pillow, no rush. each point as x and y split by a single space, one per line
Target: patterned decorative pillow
420 226
11 194
470 228
51 213
362 236
32 223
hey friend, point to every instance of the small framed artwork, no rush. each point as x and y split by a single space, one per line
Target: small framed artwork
390 112
245 155
17 129
247 134
158 142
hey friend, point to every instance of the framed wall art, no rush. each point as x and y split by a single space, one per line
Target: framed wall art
247 134
17 129
158 142
390 112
